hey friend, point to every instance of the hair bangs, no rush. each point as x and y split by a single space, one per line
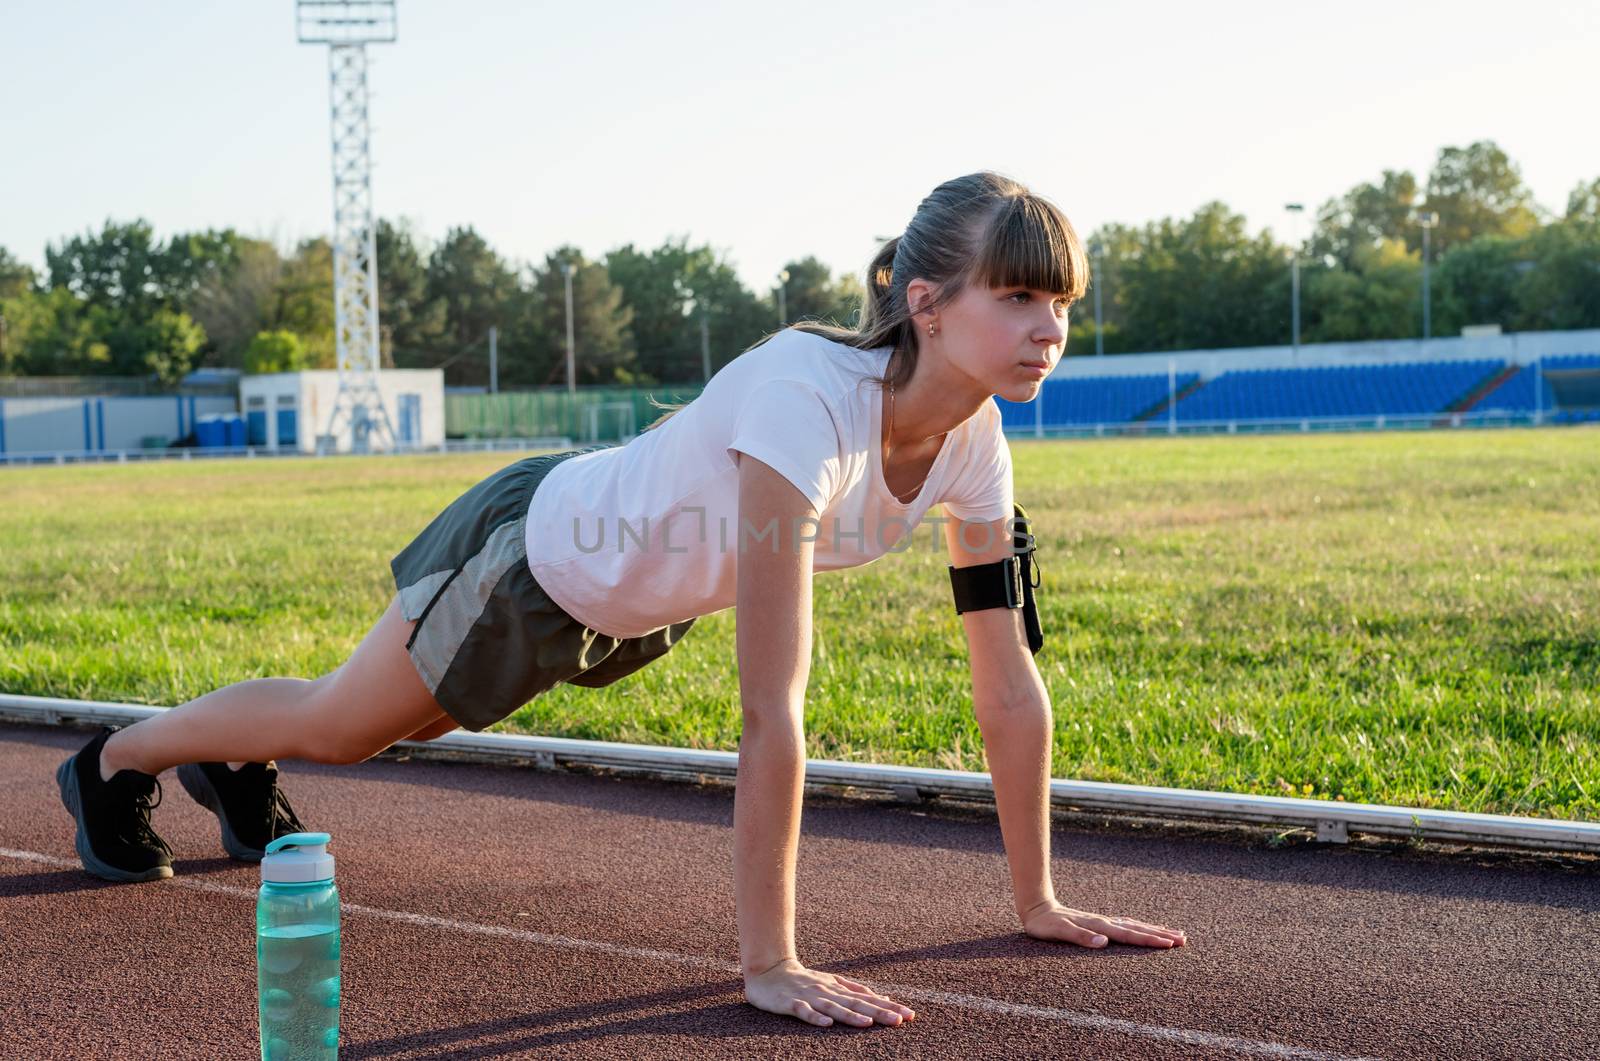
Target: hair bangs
1030 243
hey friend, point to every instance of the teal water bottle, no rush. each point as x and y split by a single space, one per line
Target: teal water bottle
297 950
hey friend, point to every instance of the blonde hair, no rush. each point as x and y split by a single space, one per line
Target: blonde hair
982 228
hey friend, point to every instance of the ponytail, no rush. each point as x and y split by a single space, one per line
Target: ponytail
880 285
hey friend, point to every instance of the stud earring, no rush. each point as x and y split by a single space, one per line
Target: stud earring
931 329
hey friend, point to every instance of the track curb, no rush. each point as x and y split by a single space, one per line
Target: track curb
1330 821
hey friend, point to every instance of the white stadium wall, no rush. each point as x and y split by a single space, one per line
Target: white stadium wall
73 425
273 406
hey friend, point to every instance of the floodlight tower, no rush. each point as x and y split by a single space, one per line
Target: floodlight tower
347 27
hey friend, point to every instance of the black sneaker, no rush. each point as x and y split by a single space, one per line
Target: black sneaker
114 838
247 801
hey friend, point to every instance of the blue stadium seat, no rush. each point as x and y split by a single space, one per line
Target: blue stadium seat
1088 401
1419 389
1357 390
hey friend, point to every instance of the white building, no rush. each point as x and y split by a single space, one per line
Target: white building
291 409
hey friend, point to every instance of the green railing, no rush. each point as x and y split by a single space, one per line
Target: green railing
593 414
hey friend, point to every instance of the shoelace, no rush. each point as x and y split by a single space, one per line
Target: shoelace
134 827
281 818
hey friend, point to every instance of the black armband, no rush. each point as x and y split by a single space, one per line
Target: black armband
1007 583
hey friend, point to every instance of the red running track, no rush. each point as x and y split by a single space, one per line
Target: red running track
509 912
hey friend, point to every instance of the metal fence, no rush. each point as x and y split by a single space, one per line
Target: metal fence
593 414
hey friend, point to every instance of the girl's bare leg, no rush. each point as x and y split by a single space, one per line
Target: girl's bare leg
374 699
437 728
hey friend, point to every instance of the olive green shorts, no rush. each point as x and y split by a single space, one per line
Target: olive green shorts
488 638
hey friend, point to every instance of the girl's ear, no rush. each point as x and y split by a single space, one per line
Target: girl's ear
919 294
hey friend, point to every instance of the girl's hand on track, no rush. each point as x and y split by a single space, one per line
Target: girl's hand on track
1056 922
821 998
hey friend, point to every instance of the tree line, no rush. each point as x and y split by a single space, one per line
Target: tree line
1494 258
121 302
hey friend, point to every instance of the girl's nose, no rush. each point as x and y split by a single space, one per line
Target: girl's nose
1052 331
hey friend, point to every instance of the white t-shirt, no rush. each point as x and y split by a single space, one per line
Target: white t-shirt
636 537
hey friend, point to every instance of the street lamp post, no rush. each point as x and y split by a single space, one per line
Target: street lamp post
783 311
494 359
572 357
1098 250
1294 275
705 341
1427 219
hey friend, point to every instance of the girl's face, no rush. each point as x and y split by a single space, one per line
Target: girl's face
1007 339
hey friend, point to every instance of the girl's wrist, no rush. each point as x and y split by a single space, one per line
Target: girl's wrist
1025 912
753 970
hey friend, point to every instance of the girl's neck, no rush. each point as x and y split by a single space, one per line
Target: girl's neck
936 399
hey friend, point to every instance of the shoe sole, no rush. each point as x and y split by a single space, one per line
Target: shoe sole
72 799
202 791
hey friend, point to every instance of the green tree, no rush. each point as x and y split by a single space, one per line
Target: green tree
735 318
1558 286
121 267
193 260
15 276
169 342
411 321
1584 202
655 288
1118 244
1474 283
302 302
1366 216
527 349
53 333
275 351
671 292
234 303
601 324
813 293
1478 191
118 274
472 282
1377 297
1202 282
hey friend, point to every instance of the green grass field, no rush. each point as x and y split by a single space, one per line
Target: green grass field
1401 618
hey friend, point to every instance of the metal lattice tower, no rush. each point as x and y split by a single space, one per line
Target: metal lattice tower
347 28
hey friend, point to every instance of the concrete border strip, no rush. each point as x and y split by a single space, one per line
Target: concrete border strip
1332 821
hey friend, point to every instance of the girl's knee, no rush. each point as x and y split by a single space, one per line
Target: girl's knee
438 728
322 741
348 722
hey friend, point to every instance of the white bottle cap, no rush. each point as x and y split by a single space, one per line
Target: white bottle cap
298 858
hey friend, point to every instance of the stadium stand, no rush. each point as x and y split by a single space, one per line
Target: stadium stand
1085 402
1356 390
1516 395
1575 400
1478 389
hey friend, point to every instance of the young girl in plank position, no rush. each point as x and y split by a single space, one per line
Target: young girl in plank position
819 448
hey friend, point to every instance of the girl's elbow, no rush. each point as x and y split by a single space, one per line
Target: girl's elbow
1023 701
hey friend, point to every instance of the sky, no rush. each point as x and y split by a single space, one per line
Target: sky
770 131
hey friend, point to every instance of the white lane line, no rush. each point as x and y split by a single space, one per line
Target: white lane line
977 1003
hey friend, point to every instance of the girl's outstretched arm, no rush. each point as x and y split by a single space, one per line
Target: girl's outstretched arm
1012 706
773 617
